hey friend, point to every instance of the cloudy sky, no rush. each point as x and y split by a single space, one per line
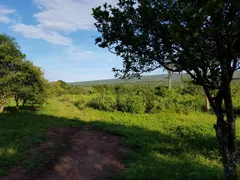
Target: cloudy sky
58 35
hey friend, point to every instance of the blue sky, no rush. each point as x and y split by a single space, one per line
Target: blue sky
58 35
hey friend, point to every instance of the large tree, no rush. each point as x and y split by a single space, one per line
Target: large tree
10 60
200 37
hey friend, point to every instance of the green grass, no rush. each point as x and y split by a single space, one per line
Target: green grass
163 146
20 132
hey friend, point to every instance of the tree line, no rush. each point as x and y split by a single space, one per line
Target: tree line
20 79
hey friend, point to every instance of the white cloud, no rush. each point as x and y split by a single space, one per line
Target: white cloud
67 15
4 14
76 52
80 53
60 16
37 33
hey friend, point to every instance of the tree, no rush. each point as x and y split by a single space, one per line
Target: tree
30 84
199 37
170 73
10 59
19 78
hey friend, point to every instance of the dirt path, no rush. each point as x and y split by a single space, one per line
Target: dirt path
91 155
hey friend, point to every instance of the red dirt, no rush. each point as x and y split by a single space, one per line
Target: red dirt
90 155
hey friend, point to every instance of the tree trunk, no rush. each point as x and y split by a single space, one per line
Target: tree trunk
24 102
230 167
3 102
207 103
225 130
1 108
17 101
182 83
226 144
169 80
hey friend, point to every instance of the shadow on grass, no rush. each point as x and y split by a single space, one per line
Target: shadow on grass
155 155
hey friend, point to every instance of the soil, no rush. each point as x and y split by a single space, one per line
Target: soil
76 154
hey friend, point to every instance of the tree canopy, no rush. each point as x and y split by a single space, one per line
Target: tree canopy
190 36
19 78
199 37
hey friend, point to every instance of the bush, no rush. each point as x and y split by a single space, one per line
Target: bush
161 91
80 103
131 104
138 99
64 98
106 103
172 101
191 88
153 104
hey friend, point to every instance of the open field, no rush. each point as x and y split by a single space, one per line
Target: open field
164 145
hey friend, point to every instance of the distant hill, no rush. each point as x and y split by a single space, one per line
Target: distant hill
160 79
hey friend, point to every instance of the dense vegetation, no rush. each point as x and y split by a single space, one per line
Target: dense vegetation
185 97
175 141
137 98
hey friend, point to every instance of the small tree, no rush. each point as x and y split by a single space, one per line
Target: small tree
10 60
30 84
201 38
19 78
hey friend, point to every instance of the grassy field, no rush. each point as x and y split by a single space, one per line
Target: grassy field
164 145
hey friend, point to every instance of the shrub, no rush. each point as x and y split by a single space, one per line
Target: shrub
161 91
131 104
191 88
80 103
106 103
183 103
64 98
79 90
153 104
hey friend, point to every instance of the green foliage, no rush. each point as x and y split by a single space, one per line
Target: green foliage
54 89
106 103
19 78
131 104
80 103
153 104
138 99
161 91
60 87
10 60
190 88
149 34
32 88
